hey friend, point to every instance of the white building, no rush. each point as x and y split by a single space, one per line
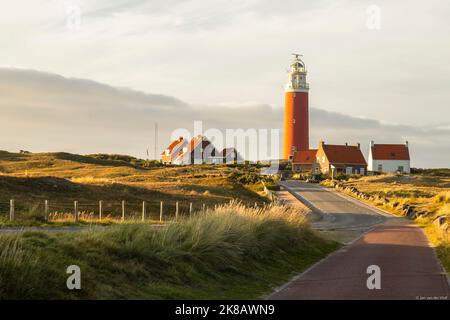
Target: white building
389 158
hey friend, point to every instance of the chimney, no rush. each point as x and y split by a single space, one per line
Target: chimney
407 144
359 145
372 143
321 144
346 144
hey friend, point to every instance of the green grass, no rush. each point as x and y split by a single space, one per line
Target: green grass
439 238
232 252
443 252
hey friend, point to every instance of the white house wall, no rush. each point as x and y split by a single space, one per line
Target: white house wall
390 166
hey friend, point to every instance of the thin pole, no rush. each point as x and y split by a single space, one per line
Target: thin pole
75 210
176 210
143 210
123 210
46 210
156 140
204 207
100 210
190 209
11 210
161 211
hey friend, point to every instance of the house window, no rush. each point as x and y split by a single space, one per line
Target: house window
400 169
348 170
380 168
362 171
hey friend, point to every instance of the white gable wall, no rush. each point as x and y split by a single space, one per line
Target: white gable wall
390 166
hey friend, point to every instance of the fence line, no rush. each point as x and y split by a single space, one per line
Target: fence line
75 209
127 210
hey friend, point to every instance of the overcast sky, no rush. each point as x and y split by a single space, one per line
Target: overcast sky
222 61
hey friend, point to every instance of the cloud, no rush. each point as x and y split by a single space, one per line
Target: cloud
47 112
239 49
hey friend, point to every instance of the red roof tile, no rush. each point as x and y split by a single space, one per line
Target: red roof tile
305 157
390 152
344 154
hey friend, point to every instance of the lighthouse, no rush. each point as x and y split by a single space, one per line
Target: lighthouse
296 112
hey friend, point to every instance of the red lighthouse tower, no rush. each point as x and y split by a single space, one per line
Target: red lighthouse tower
296 113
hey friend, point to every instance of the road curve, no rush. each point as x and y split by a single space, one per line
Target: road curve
408 265
338 212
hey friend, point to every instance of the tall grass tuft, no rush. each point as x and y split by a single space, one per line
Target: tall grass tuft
443 197
17 269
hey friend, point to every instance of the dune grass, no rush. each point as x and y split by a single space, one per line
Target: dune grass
230 252
62 178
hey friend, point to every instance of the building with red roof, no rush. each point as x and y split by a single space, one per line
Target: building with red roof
173 150
389 158
341 158
198 150
305 161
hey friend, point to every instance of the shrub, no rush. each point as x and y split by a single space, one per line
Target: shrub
272 186
341 176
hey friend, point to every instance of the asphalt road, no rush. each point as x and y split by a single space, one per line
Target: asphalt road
409 268
338 211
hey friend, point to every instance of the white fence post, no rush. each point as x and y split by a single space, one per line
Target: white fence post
161 211
190 209
176 210
11 210
123 210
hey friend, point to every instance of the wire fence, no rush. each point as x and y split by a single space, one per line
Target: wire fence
48 210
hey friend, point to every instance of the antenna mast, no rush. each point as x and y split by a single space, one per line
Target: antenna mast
156 141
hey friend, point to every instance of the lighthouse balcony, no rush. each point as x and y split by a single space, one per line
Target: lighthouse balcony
303 86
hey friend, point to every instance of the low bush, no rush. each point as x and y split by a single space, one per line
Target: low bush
272 186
